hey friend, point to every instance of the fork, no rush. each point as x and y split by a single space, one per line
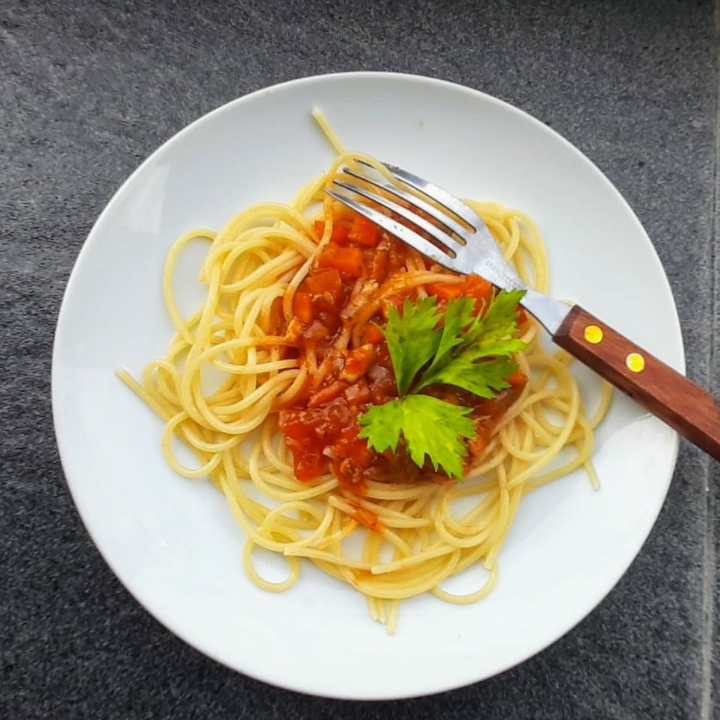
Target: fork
462 242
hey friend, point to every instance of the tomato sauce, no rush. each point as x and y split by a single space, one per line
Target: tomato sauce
321 424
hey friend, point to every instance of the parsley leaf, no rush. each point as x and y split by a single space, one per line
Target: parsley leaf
428 425
486 336
501 317
482 379
458 316
419 321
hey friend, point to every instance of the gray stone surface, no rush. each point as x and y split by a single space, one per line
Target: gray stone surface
87 90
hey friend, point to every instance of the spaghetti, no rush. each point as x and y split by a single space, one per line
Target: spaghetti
263 329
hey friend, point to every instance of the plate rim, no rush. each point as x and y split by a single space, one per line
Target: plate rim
62 319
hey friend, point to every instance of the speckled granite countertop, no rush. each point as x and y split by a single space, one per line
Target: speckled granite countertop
89 89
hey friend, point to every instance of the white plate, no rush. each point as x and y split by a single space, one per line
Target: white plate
173 542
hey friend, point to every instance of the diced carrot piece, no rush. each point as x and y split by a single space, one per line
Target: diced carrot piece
344 259
364 232
322 282
372 334
522 316
445 291
478 288
302 306
319 227
341 233
517 379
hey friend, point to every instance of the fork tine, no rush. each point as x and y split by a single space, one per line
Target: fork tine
404 233
441 217
442 237
436 193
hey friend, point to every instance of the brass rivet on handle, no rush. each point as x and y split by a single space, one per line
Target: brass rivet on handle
635 362
593 334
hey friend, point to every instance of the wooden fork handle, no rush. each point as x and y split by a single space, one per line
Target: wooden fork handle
682 404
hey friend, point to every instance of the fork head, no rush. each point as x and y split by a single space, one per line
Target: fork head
425 217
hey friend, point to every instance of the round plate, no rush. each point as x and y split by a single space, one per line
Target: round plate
173 542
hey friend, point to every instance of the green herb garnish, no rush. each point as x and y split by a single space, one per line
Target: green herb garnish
472 352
